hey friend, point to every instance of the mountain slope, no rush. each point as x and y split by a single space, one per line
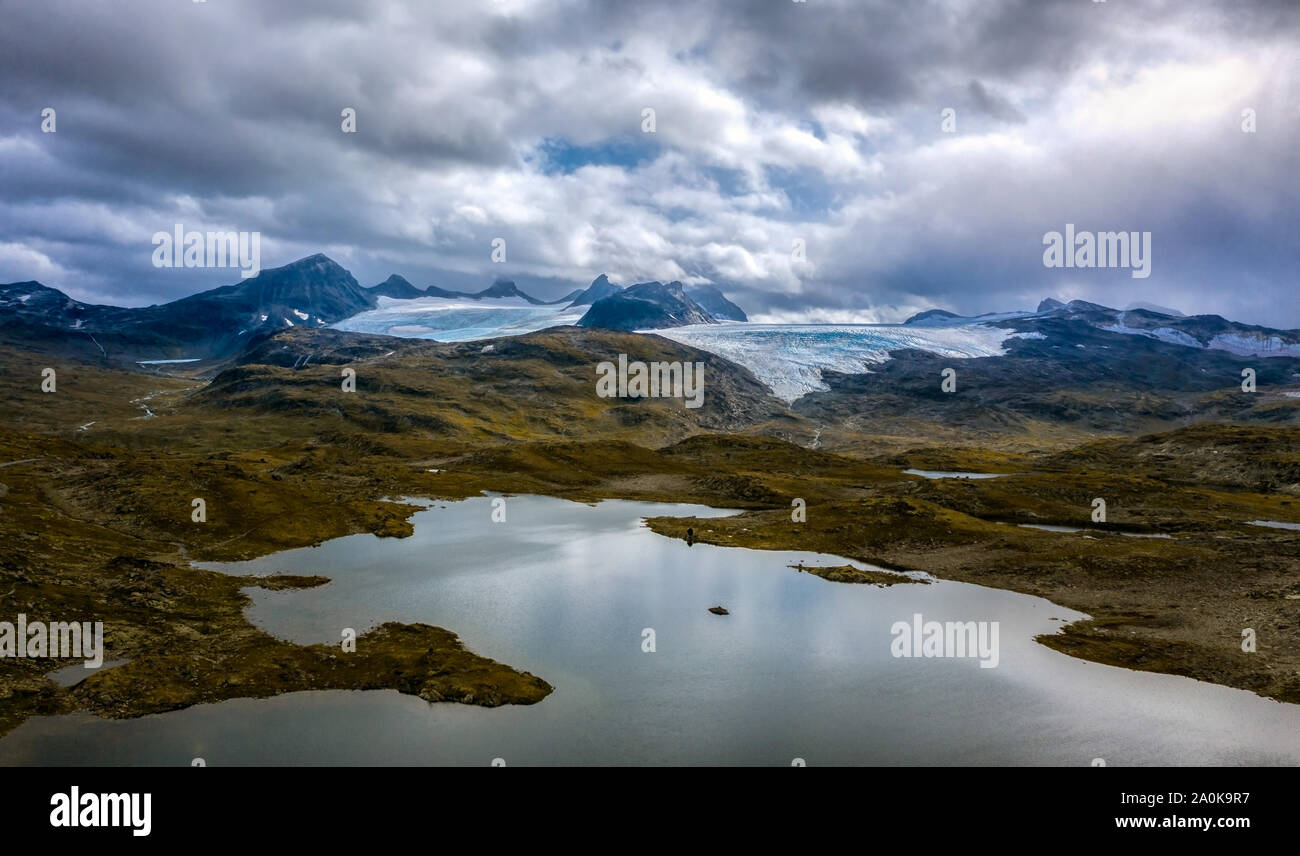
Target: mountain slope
714 302
1193 331
538 385
600 288
211 324
396 287
933 315
646 306
1061 374
1143 319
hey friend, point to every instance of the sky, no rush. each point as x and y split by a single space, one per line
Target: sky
777 125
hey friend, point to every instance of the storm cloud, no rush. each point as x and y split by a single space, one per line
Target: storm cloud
917 152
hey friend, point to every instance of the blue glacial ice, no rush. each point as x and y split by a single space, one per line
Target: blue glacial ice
447 320
788 358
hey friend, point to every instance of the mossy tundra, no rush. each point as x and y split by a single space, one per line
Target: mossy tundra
95 507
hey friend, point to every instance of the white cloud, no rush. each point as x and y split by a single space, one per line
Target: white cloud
772 125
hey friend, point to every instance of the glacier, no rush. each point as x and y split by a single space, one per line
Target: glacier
456 320
787 358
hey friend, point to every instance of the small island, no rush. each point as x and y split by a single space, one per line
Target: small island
850 574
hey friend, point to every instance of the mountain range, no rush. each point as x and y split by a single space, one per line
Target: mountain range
315 292
1066 362
1167 325
646 305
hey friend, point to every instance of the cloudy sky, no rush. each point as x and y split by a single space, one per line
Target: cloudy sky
774 122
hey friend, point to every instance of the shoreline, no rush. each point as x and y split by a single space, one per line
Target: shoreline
130 693
98 523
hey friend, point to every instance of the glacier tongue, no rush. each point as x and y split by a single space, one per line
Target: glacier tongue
789 358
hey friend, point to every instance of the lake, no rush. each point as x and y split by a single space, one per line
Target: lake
801 668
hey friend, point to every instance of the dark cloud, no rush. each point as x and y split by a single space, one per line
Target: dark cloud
777 121
992 104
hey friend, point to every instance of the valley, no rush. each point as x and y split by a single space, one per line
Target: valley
834 440
97 517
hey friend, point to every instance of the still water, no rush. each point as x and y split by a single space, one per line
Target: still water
801 668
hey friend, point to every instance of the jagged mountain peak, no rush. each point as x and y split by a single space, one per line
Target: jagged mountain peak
711 298
600 288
